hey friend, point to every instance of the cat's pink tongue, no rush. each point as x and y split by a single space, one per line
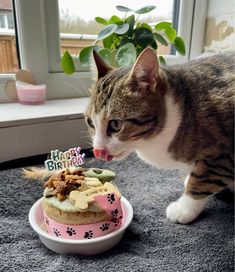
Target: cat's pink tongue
102 153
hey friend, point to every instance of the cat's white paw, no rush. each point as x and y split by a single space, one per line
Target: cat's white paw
180 214
185 209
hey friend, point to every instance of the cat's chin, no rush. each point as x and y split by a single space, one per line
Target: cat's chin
120 156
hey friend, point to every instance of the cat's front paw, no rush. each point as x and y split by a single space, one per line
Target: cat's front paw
178 214
185 209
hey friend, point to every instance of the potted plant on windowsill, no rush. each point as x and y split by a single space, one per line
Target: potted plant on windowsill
123 39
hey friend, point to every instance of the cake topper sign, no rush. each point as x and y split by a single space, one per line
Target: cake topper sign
62 160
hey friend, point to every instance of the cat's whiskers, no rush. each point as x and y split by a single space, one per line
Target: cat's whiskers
85 136
88 139
84 131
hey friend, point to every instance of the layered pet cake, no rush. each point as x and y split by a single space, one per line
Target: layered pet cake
81 204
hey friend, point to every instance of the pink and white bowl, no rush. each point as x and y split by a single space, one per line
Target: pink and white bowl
80 246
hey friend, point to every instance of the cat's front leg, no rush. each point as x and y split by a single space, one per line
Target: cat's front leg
203 182
186 208
200 185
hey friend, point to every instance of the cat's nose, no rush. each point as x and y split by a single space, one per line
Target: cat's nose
102 153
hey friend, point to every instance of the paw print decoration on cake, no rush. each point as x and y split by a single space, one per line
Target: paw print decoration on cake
56 232
113 212
88 234
71 231
105 226
111 198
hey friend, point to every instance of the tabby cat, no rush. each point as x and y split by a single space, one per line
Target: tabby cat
178 117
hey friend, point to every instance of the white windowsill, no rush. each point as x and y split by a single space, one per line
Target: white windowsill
15 114
29 130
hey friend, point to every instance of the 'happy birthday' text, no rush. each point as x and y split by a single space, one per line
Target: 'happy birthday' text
62 160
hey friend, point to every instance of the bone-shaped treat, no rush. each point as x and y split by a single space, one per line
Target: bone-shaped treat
81 200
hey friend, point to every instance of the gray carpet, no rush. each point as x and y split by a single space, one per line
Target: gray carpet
151 243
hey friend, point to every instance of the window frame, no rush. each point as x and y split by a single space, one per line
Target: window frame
39 47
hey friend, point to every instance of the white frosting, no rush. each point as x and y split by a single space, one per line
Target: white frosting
67 206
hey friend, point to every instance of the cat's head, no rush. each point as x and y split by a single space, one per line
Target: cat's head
126 106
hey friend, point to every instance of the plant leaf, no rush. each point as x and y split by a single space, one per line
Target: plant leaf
67 63
114 20
122 29
179 45
124 9
111 41
162 25
145 9
126 55
106 54
171 33
131 21
160 39
126 40
106 31
100 20
168 29
162 60
143 37
147 26
85 55
154 45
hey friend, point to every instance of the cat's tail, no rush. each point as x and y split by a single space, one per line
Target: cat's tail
38 173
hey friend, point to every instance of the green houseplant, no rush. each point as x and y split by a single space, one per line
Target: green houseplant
121 40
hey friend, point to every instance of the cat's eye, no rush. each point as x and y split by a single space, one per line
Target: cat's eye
89 122
114 126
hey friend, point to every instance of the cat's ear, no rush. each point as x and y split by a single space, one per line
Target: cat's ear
145 70
102 67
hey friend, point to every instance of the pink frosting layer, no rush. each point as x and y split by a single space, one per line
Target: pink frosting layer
110 203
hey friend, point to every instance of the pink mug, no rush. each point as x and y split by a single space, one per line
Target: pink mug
30 94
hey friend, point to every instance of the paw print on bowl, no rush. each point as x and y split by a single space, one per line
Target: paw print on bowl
56 232
111 198
47 221
88 234
116 218
105 226
117 221
71 231
114 213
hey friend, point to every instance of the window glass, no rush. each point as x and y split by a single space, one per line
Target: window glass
2 21
77 18
8 53
10 21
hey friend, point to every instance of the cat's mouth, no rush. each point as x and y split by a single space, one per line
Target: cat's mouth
103 154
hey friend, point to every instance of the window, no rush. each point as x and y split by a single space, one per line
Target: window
178 11
2 21
41 37
79 29
10 21
6 19
8 54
